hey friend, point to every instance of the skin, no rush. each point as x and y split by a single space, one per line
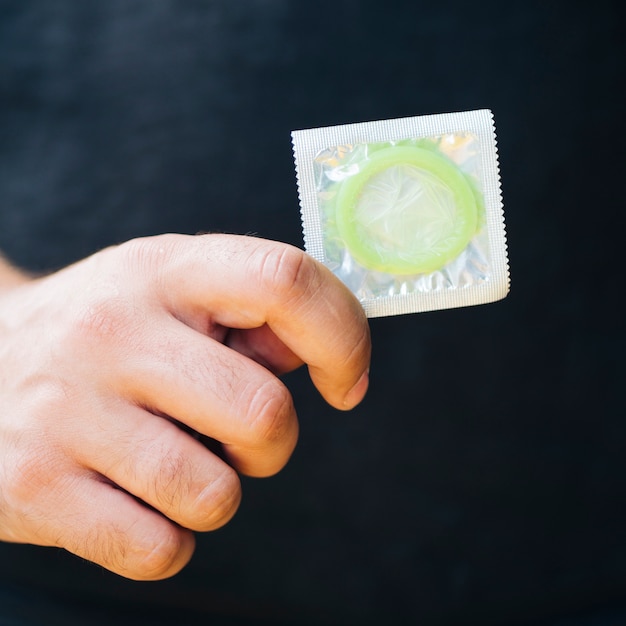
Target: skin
114 370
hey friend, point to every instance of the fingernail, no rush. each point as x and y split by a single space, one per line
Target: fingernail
356 394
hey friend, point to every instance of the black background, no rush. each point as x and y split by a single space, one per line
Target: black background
482 481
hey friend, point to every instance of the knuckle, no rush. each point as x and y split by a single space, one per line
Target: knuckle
286 272
28 476
269 414
178 492
104 319
217 503
33 485
159 556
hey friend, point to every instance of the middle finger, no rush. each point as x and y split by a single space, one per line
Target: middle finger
216 391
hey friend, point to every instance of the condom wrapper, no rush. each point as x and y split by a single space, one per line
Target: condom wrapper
406 212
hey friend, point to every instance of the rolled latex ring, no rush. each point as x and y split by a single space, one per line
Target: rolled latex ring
432 228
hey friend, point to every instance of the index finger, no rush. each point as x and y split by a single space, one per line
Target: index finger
245 282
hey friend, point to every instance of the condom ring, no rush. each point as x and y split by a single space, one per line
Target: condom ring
407 210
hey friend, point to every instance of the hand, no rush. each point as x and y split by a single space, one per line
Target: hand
110 368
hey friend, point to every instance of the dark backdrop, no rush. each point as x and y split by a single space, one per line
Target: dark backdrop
482 480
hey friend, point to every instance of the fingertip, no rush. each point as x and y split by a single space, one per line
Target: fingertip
344 382
357 393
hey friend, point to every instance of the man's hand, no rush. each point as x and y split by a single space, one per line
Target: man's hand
111 367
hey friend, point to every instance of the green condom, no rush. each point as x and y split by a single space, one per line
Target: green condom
408 210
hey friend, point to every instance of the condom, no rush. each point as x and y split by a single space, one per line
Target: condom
406 212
